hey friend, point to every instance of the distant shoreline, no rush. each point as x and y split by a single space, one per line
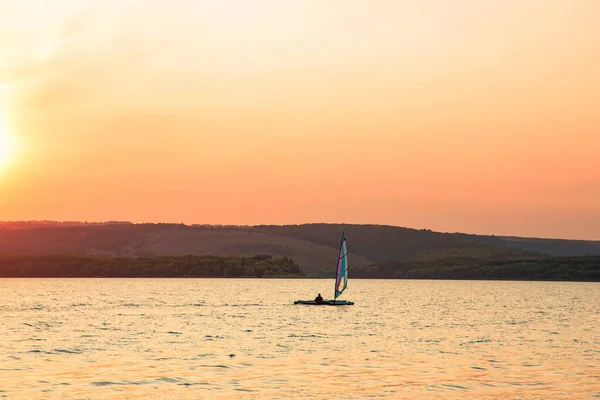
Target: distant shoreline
123 249
189 266
566 269
301 277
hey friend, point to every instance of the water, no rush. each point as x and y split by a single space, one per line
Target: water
243 338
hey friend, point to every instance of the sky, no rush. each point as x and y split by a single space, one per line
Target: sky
456 116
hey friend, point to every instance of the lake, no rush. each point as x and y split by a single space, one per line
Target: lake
244 338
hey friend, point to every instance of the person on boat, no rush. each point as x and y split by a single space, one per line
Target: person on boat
319 299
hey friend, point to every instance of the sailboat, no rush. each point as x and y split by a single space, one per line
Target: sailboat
341 281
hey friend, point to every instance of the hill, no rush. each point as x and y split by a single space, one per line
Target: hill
551 247
312 246
380 243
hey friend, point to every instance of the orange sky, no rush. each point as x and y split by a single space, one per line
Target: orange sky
466 115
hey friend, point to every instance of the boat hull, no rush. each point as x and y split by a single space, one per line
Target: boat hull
325 303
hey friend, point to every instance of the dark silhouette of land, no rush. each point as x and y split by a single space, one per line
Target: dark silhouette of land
156 267
377 251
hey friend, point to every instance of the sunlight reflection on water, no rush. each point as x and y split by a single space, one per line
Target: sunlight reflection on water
236 338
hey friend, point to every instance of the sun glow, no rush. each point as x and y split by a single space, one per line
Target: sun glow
6 142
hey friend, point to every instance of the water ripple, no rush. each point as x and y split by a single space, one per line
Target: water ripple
127 338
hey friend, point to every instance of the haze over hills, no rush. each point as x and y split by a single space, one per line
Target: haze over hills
312 246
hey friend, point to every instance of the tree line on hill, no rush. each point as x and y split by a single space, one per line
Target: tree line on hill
552 269
157 267
548 269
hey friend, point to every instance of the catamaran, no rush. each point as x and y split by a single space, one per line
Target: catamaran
341 281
